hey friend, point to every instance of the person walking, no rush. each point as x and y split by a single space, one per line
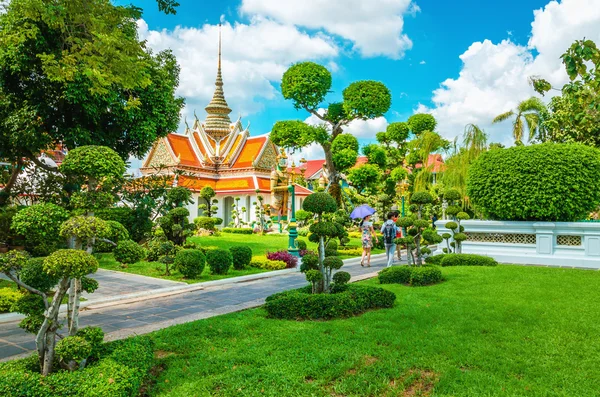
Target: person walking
368 233
389 231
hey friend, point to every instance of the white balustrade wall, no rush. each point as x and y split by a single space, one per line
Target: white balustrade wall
539 243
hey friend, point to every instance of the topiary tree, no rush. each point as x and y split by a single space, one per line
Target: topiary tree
543 182
421 122
176 225
190 263
40 224
207 193
219 261
314 277
416 226
128 252
241 255
307 84
116 232
64 264
73 352
322 231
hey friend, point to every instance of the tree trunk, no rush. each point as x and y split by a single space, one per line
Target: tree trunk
321 267
74 310
334 177
71 305
418 244
45 339
5 193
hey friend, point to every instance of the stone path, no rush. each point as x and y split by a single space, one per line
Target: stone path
119 283
119 321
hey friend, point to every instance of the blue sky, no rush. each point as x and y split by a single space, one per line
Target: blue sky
466 60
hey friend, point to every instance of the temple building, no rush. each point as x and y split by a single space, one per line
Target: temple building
221 154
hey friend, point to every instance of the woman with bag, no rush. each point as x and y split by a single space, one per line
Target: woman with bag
366 227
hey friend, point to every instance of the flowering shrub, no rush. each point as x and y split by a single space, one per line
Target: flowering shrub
290 260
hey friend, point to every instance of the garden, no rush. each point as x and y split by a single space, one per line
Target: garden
455 319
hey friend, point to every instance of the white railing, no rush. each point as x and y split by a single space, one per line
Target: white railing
539 243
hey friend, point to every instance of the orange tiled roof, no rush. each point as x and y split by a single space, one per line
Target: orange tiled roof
264 183
436 161
233 148
199 143
302 191
196 184
182 147
312 167
243 183
250 152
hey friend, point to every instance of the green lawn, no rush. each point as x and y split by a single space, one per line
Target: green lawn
503 331
156 269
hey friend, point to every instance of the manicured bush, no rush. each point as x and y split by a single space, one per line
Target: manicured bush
435 259
129 252
331 252
302 305
341 277
190 263
242 255
468 260
120 373
290 260
73 348
116 232
264 263
301 245
33 275
332 244
95 337
425 275
219 261
8 297
205 222
395 275
40 224
238 230
309 262
545 182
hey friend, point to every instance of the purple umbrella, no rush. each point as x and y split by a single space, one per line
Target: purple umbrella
361 211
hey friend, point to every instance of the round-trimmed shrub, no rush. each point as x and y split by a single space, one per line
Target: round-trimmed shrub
302 305
242 255
219 261
190 262
33 275
309 262
341 278
129 252
40 225
333 262
95 337
545 182
205 222
116 232
319 203
395 275
332 245
425 275
301 244
331 252
467 260
73 348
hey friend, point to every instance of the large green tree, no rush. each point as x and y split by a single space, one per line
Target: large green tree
529 113
75 72
575 114
307 85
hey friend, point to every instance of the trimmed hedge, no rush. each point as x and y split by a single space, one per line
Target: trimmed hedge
545 182
467 260
238 230
219 261
190 262
435 259
8 297
242 256
119 374
302 305
411 275
129 252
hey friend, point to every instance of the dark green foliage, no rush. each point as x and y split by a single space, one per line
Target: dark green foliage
332 244
301 305
536 183
319 203
89 284
452 195
333 262
331 252
345 151
95 337
73 348
135 220
116 233
425 275
241 255
93 162
129 252
309 262
190 262
6 216
176 225
301 244
341 278
237 230
40 224
376 155
468 260
421 122
421 198
179 196
219 261
395 275
33 275
435 259
365 176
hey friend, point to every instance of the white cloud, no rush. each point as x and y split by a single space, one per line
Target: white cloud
3 5
494 77
361 129
422 63
374 27
255 55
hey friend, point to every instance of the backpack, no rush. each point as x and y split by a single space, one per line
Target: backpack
389 233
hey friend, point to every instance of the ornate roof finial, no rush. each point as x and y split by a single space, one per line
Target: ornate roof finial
218 121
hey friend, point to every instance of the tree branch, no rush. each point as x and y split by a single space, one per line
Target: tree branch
106 241
28 288
38 163
314 112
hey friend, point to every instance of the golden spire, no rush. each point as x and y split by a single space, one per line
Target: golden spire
218 123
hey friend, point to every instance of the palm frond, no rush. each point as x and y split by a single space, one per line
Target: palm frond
503 116
533 122
533 104
518 129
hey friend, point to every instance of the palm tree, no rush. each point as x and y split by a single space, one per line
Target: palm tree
531 110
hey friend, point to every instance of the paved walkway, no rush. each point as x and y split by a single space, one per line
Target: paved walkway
119 283
119 321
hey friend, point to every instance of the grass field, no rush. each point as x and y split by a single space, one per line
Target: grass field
260 245
500 331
